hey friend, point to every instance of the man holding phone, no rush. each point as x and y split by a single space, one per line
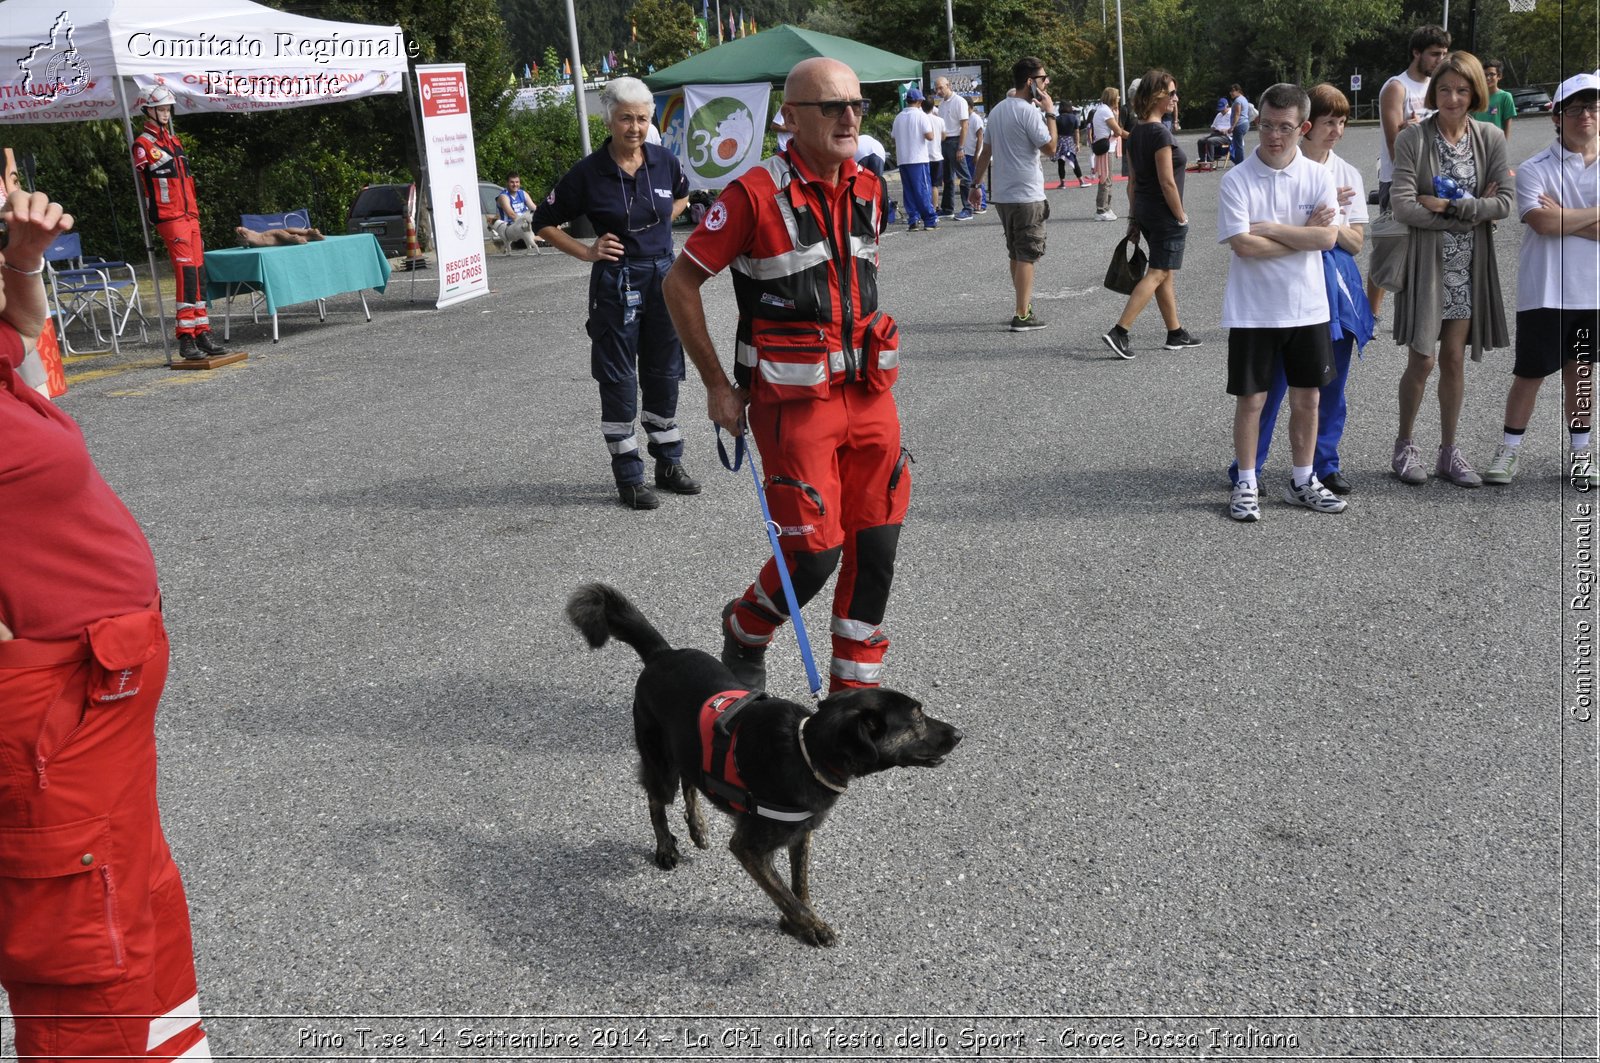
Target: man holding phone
1020 130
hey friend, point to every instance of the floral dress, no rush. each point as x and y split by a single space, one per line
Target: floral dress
1456 160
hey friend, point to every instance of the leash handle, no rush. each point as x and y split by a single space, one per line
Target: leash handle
740 453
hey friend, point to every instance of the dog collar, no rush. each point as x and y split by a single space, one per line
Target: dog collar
837 788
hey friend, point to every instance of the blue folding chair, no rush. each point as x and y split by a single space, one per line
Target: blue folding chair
260 223
82 286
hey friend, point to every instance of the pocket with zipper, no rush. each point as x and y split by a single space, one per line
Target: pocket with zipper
880 352
59 912
796 506
792 361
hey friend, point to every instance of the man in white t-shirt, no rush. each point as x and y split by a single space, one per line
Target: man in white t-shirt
913 142
1400 104
954 114
1275 210
1558 282
1021 127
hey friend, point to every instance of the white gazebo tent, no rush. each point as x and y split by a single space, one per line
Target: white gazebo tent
95 59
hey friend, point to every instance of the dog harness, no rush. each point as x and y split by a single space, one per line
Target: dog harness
719 766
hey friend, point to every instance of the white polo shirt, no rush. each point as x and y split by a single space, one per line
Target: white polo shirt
1558 272
1288 290
910 133
1347 176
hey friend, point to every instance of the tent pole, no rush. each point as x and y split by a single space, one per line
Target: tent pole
144 222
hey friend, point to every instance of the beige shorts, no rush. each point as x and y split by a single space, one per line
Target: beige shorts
1024 227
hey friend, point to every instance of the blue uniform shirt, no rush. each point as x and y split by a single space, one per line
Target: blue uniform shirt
637 209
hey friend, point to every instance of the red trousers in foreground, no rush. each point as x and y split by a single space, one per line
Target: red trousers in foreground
95 952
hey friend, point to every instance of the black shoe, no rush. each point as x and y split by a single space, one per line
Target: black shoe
747 663
1336 483
1178 339
638 496
1117 340
209 345
188 351
671 476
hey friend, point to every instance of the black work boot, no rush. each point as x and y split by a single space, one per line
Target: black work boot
747 663
638 496
209 345
187 349
671 476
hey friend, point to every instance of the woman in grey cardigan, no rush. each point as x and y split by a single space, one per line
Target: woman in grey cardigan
1452 283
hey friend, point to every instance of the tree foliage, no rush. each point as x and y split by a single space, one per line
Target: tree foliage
666 32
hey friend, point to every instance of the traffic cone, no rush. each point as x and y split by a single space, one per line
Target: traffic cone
414 259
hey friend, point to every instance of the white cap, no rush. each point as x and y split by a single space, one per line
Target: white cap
1575 84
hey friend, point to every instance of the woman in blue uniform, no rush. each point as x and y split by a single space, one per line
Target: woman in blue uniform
630 191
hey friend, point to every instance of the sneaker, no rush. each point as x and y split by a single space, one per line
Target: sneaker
1313 496
965 215
1452 465
1105 215
672 476
1027 322
1178 339
1407 463
638 496
982 210
931 225
1117 340
747 663
1244 504
1502 467
914 227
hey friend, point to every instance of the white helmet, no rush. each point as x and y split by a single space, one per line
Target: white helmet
160 96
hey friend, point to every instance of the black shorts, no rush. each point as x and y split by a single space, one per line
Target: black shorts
1547 339
1101 146
1253 355
1166 239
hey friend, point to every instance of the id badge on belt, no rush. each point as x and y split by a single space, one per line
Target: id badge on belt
632 300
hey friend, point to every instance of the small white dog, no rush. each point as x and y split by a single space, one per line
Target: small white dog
507 234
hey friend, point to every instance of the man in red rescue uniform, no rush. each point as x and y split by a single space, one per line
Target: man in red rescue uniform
95 950
815 360
171 206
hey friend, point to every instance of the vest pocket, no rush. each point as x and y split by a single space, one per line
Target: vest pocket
880 352
791 362
59 923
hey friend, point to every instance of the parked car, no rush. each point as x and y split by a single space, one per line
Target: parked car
1531 101
381 211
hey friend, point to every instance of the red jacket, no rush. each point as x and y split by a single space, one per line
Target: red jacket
168 186
805 275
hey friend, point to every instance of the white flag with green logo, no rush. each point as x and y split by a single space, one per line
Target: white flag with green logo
723 131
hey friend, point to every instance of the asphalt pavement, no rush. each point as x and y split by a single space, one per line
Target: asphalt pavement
1321 786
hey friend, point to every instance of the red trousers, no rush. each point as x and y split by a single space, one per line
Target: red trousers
95 952
838 484
188 254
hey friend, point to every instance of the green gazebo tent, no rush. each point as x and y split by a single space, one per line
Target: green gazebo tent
771 54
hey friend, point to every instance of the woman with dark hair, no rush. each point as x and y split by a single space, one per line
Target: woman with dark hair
1156 165
1451 183
1067 123
630 191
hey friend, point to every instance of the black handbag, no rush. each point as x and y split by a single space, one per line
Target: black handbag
1128 263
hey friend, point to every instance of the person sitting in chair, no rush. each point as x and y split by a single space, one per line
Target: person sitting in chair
515 215
289 234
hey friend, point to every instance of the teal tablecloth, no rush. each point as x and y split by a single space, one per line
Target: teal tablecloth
298 273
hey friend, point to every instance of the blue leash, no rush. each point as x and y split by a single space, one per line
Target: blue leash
739 454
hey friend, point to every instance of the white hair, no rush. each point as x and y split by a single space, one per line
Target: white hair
626 91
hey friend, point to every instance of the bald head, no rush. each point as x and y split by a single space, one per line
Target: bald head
824 142
808 74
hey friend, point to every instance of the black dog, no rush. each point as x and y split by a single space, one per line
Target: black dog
788 766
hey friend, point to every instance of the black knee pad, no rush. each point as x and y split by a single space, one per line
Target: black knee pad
811 570
875 551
